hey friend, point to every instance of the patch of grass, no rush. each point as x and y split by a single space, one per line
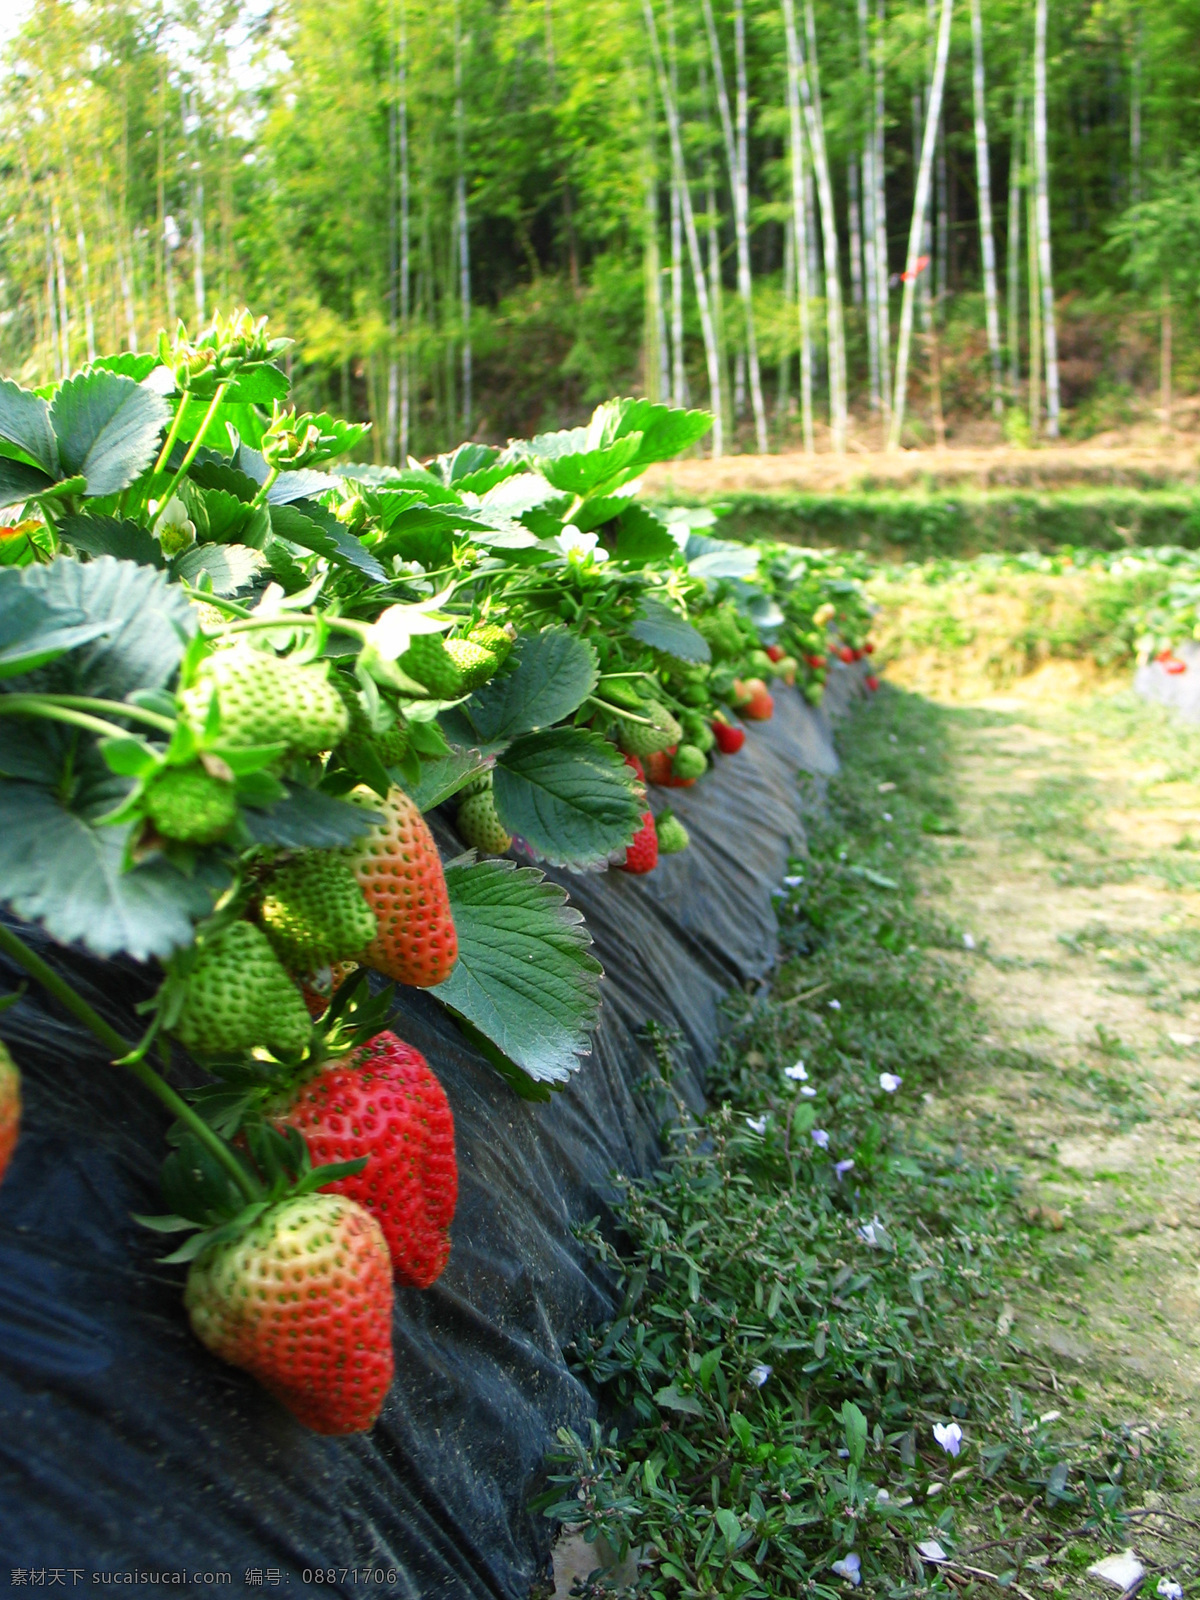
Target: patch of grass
818 1275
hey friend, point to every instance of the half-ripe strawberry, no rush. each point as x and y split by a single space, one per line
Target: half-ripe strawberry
641 854
400 873
302 1300
381 1101
758 705
10 1108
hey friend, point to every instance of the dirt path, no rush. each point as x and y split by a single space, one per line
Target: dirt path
1142 464
1077 875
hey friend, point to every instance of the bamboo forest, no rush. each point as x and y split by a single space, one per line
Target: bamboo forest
867 217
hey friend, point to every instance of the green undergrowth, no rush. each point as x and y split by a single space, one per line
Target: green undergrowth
814 1281
919 525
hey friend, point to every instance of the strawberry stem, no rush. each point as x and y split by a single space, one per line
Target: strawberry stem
124 1054
193 449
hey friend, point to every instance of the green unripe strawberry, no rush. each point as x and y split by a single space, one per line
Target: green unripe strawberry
695 694
621 692
689 762
191 805
10 1108
494 638
814 693
640 739
314 912
430 663
266 699
475 663
696 730
672 835
391 746
760 665
479 825
239 997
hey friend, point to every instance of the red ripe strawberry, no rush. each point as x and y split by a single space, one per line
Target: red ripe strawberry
1175 666
816 661
845 654
759 706
776 652
302 1300
400 873
868 649
871 681
382 1101
10 1108
641 855
729 739
636 763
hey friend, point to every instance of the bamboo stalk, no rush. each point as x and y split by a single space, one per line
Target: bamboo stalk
1042 179
689 221
916 229
987 243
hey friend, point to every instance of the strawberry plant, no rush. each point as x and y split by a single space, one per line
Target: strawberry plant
237 678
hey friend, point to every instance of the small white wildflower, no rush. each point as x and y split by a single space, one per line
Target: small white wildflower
889 1082
793 880
849 1567
835 1005
968 942
778 894
820 1138
1169 1589
759 1375
870 1232
797 1073
932 1550
887 816
840 1168
949 1435
757 1124
807 1090
882 1498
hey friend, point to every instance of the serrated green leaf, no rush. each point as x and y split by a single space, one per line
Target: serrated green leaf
33 632
25 422
550 676
19 481
259 386
662 629
642 539
524 977
324 536
591 469
230 566
112 536
443 776
225 477
147 622
568 794
309 820
107 429
127 364
59 870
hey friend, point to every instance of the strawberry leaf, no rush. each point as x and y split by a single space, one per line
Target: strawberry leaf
568 794
551 675
525 978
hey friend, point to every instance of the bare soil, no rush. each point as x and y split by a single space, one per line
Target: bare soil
1076 875
1136 459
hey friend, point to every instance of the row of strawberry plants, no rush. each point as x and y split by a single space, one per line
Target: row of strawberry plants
235 682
